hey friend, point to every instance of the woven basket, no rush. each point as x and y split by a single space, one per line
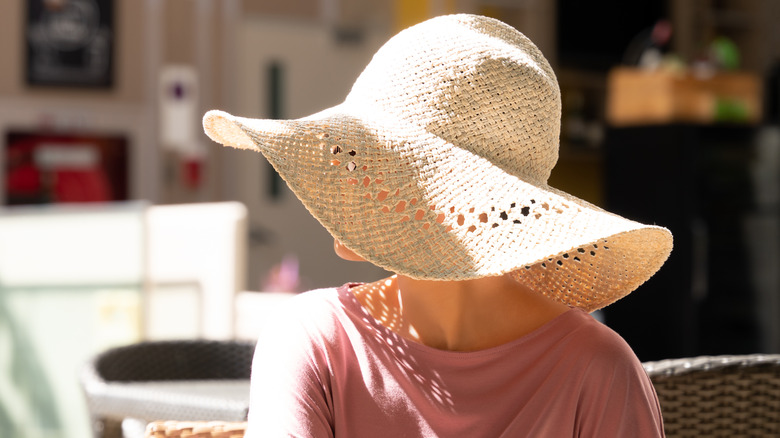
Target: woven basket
196 429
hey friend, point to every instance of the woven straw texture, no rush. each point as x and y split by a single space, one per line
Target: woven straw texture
196 429
435 167
725 396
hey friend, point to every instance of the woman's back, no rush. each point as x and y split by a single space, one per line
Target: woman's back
327 366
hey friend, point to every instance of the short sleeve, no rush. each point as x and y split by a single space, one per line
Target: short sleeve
290 384
617 398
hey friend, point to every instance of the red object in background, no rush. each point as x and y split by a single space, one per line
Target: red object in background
23 180
64 168
192 172
81 186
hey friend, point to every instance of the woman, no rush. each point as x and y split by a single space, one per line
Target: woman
435 168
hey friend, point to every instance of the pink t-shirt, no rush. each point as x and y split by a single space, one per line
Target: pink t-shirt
325 367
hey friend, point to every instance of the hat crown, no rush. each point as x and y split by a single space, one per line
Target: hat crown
475 82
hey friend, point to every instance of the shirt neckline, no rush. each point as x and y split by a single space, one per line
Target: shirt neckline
351 302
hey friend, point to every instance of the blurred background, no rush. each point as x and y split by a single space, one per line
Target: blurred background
122 222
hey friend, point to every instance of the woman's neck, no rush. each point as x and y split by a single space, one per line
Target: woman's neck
457 315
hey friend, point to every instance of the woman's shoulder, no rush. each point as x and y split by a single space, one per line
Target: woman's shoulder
615 396
590 337
312 300
324 316
313 307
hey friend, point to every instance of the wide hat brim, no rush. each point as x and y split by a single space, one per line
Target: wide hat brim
415 204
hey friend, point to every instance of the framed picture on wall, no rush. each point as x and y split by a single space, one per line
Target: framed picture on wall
69 43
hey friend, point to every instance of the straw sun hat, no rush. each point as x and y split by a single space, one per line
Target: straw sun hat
436 166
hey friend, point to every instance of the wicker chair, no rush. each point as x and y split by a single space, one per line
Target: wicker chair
105 379
719 396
